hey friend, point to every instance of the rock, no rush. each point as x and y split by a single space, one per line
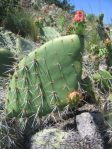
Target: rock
53 138
87 136
88 125
48 138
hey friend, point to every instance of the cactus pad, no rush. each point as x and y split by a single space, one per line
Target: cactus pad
50 33
45 77
6 60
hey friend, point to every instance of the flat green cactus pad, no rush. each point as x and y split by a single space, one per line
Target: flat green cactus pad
50 33
45 77
6 60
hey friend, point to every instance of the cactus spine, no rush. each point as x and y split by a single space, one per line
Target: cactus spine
45 77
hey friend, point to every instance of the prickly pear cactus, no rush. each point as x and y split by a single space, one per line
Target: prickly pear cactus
6 60
17 45
50 33
105 36
11 45
103 77
45 77
24 45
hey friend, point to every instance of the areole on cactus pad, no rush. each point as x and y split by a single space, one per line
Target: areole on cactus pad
45 77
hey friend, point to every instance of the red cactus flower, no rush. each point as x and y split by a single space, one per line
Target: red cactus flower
79 16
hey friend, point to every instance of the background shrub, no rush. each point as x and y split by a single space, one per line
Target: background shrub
21 22
6 6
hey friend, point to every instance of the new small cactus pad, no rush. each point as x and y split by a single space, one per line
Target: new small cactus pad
44 79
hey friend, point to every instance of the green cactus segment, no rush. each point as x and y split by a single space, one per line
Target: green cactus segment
6 60
12 46
24 45
45 77
50 33
104 78
110 56
16 44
